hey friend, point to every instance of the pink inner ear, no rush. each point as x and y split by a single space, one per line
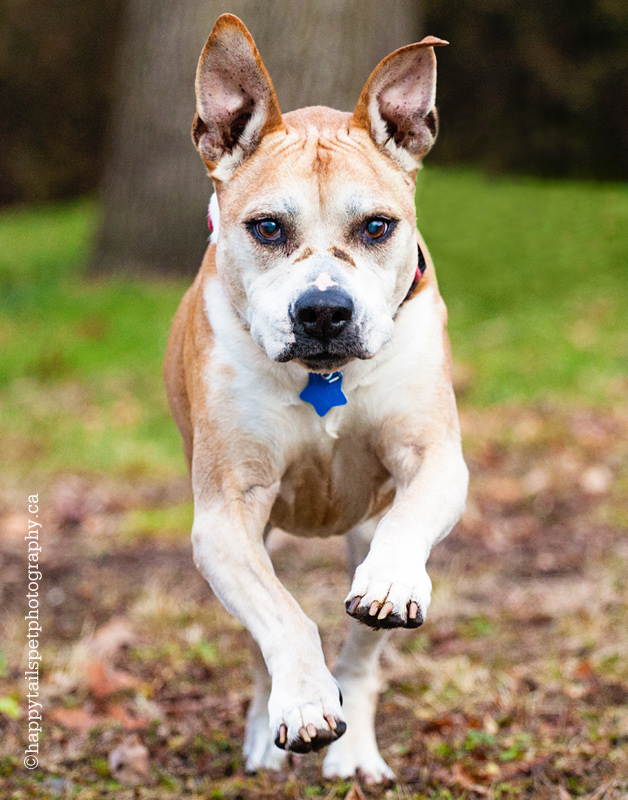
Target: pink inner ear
222 98
409 87
408 99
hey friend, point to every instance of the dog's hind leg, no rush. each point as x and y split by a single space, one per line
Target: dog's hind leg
357 672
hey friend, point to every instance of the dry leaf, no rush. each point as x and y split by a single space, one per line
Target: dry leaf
75 718
128 721
596 480
466 781
129 763
503 489
584 670
104 680
111 637
438 724
355 793
490 726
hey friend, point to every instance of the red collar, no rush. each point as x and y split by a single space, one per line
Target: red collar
420 269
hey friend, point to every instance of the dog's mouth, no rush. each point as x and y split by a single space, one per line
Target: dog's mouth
323 360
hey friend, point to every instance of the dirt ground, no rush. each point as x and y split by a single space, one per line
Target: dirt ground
516 686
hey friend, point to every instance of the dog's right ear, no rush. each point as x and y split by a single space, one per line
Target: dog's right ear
236 105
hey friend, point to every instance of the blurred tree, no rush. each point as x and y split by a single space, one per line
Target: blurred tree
534 87
155 188
56 76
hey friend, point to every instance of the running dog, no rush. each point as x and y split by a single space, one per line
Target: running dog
308 371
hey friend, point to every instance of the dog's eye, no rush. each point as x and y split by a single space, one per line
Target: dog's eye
376 228
268 229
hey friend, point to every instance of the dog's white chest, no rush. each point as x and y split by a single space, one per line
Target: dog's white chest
331 483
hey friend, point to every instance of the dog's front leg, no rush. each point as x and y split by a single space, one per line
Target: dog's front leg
304 705
391 588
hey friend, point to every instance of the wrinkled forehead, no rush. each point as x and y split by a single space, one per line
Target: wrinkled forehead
332 173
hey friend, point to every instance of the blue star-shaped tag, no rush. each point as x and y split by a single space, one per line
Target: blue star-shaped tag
324 392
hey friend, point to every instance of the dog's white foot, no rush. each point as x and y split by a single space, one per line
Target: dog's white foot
259 748
305 712
389 595
349 757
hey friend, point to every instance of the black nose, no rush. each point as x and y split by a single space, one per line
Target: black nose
323 315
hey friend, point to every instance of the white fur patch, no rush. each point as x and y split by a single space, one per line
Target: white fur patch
323 282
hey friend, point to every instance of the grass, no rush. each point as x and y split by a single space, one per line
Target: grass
534 274
80 379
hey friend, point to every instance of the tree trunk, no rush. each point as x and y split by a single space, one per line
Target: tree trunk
155 189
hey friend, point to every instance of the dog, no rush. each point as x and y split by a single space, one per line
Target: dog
308 371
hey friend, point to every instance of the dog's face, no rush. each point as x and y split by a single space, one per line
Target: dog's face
317 245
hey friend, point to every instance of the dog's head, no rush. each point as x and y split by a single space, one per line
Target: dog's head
317 245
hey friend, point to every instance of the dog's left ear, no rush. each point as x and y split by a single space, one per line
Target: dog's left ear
236 105
396 106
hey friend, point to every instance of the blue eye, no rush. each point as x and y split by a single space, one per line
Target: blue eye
376 228
268 229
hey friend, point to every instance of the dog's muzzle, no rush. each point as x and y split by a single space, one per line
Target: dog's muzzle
325 333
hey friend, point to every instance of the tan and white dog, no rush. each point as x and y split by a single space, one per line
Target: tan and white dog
313 272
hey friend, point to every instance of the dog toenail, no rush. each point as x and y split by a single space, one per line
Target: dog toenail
373 609
386 609
353 605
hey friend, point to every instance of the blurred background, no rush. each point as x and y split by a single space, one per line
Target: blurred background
518 685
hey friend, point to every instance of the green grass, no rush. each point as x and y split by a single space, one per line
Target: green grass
80 376
534 274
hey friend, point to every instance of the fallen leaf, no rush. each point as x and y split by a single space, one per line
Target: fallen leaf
437 724
128 721
584 670
69 501
104 680
466 781
563 794
596 480
129 763
355 793
110 638
502 489
14 524
74 718
490 725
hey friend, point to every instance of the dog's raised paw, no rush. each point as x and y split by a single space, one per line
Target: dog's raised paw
379 603
382 615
